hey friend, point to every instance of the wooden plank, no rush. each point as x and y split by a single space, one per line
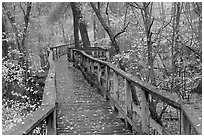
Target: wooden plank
92 49
107 56
128 101
107 82
28 124
99 73
145 112
51 128
115 87
92 66
185 125
49 94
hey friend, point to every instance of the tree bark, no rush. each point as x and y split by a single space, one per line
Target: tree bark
84 33
81 25
26 20
76 23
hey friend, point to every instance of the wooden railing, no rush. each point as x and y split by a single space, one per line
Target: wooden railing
96 52
46 113
107 78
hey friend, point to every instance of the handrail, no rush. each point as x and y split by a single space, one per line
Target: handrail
47 111
191 118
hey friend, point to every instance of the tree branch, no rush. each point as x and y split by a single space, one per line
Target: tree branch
107 8
105 26
22 9
137 7
122 31
163 111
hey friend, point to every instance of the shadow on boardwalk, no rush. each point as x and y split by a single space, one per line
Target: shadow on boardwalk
81 110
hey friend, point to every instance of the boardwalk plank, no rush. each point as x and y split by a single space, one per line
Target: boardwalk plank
81 109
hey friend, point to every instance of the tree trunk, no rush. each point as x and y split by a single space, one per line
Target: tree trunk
81 25
26 20
76 23
176 19
4 36
146 12
105 26
84 33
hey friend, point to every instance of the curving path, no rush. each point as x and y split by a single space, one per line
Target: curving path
81 110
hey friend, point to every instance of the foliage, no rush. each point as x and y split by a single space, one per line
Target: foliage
21 89
173 39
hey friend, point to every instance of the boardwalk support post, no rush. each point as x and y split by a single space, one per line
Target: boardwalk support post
115 90
51 124
185 125
128 102
107 84
145 112
99 73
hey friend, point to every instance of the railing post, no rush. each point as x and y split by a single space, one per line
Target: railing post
71 54
88 65
59 51
185 127
107 55
128 102
92 66
51 124
56 53
67 53
82 61
79 59
145 112
115 89
107 85
99 74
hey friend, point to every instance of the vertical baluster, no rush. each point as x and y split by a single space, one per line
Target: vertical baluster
51 124
97 54
78 58
185 127
94 64
53 51
82 61
71 54
145 111
56 53
107 55
88 65
107 84
101 53
75 58
67 53
115 89
128 101
59 52
99 74
92 67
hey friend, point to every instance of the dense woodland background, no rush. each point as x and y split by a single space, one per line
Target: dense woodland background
160 43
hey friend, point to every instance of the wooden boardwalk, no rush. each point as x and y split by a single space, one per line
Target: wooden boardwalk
81 110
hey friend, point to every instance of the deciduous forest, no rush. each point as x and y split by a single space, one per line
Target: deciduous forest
158 42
